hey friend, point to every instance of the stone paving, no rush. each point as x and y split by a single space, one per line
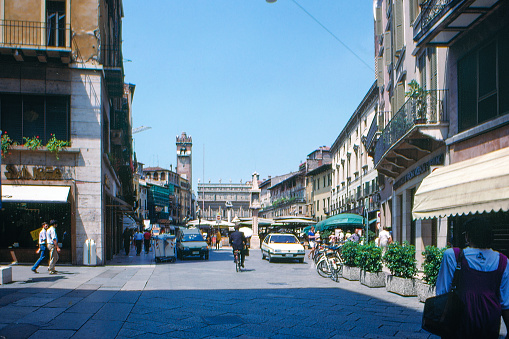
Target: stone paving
132 297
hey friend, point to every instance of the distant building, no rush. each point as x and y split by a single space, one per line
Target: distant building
213 197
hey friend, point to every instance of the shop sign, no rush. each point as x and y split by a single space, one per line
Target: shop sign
421 169
37 173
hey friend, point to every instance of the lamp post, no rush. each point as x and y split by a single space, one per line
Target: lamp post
255 206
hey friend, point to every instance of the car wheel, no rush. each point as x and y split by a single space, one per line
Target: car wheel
301 260
263 255
270 258
207 256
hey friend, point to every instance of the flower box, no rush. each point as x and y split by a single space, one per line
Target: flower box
402 286
424 291
351 273
372 279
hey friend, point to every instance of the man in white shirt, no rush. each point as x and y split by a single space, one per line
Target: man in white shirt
384 239
42 247
53 248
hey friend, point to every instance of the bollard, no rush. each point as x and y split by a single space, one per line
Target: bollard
89 253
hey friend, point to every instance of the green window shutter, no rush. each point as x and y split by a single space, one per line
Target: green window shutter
378 21
388 48
399 33
379 71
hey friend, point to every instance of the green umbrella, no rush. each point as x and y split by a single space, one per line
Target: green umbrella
340 220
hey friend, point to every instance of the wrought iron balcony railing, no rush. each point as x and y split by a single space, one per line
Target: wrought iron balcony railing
15 33
432 9
429 109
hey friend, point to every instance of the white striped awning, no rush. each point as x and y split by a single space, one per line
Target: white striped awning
476 185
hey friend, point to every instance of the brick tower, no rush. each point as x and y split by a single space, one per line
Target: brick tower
184 158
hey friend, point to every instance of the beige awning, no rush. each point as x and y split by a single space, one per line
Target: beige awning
476 185
35 193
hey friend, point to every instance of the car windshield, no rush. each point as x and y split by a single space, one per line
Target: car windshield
192 237
283 239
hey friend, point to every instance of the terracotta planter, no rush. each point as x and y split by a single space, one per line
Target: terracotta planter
402 286
372 279
351 273
424 291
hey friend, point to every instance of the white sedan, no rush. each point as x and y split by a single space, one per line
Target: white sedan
282 246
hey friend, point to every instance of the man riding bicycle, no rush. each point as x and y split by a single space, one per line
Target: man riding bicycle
238 242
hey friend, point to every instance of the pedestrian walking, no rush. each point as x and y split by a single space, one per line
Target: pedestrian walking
218 239
126 236
483 283
42 247
384 239
138 240
52 242
146 240
311 241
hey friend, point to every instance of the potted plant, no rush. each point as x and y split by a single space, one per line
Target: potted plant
431 266
401 262
418 97
369 260
348 253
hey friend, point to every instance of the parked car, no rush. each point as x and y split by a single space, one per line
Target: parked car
282 246
191 243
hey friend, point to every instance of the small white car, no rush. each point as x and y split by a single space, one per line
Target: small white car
282 246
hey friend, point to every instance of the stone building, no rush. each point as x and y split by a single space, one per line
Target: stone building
62 80
213 197
354 178
475 37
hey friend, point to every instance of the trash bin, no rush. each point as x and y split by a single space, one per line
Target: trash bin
89 253
164 247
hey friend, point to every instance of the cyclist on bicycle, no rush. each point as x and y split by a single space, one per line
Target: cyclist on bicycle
238 241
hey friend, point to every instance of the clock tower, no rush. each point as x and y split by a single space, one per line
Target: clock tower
184 157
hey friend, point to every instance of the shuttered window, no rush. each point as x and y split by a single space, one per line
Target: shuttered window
35 116
388 48
398 24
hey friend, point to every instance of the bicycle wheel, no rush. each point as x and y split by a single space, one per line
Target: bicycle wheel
336 270
237 261
323 268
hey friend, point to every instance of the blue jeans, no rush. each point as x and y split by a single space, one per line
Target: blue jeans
42 249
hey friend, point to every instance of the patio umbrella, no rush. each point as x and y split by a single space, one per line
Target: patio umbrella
247 231
341 220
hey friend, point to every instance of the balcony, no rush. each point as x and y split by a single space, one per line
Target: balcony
443 21
418 128
112 61
29 39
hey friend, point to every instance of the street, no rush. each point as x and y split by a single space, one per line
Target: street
134 297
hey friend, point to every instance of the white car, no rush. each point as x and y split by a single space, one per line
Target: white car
282 246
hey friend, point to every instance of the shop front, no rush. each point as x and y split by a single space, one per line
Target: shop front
25 206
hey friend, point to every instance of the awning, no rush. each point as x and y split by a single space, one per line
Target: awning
348 220
476 185
32 193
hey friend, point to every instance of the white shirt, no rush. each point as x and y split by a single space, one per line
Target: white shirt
42 237
485 260
384 238
51 235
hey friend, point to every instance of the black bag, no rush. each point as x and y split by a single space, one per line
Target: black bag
442 314
246 251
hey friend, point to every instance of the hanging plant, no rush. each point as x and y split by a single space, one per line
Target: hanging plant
55 146
32 143
6 143
418 96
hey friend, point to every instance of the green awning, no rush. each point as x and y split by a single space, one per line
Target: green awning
347 220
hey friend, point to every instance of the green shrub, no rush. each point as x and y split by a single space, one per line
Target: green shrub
400 260
349 252
369 258
431 265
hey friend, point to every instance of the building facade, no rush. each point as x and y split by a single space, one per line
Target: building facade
61 83
221 199
412 120
354 178
474 35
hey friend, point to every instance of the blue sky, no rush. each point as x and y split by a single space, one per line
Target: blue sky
258 86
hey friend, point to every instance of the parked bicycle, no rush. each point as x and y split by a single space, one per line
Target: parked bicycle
329 263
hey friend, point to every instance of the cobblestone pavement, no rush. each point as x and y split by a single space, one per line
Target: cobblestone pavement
133 297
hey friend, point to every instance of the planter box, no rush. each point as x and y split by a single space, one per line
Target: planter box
402 286
5 274
372 279
424 291
351 273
